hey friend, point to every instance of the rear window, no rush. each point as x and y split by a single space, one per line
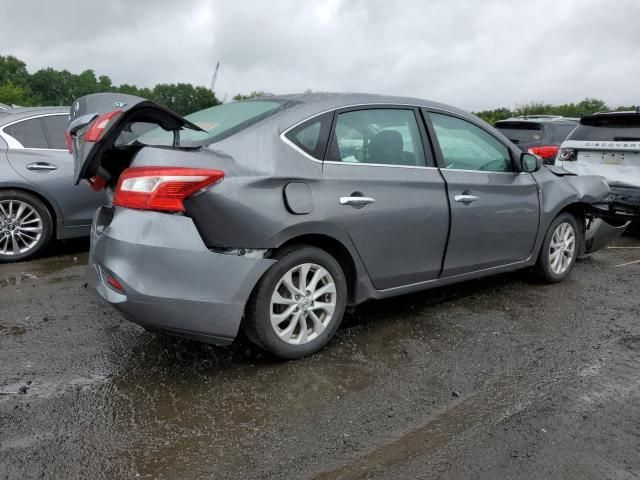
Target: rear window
521 132
560 132
614 128
218 122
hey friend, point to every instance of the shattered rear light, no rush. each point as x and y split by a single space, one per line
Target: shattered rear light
545 152
99 125
567 155
161 188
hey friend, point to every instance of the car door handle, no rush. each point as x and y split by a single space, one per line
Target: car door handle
41 167
465 198
356 201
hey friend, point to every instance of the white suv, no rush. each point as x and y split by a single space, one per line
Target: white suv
608 144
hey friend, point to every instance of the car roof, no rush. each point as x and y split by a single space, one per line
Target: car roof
18 113
305 105
540 119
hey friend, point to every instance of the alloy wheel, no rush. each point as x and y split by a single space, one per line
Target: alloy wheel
20 227
303 303
562 248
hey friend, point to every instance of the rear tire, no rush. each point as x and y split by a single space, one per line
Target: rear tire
26 226
562 244
298 304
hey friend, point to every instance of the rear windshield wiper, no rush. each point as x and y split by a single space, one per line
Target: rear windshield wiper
626 139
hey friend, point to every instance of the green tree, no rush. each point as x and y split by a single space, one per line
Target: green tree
255 94
14 71
183 98
11 94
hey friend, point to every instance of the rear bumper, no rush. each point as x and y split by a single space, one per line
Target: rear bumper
171 281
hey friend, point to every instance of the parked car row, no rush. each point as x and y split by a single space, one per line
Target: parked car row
538 134
276 214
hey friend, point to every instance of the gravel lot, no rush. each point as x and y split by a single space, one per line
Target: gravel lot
497 378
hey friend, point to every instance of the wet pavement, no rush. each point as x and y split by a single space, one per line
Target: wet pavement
496 378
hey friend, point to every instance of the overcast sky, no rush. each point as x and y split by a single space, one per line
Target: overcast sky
470 53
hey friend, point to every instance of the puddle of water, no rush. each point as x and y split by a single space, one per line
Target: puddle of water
12 329
17 279
507 396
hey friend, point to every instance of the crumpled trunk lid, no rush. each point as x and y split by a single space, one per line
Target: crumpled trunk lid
116 113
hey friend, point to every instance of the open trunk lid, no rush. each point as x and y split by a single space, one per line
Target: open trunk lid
99 122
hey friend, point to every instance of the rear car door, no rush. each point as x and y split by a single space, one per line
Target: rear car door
38 153
382 185
494 208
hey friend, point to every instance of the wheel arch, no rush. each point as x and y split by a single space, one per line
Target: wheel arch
337 250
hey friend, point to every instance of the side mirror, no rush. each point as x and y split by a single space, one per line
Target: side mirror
530 163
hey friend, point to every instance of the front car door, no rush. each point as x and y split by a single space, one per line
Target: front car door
38 153
384 188
494 207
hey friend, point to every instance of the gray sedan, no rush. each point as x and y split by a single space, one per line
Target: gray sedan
274 215
37 198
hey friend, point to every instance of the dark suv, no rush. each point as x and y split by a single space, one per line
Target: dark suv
538 134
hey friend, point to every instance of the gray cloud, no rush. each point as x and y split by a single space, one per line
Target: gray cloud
468 53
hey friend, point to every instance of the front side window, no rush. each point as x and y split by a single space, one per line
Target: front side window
465 146
384 136
55 126
30 133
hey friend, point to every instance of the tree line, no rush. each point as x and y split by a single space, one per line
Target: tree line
52 87
49 86
577 110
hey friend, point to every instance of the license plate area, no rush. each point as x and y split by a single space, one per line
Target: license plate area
609 157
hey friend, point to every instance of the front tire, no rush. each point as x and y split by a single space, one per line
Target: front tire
298 304
26 226
560 249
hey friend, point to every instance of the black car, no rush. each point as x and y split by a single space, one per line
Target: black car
538 134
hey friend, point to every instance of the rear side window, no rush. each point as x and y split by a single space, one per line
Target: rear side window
312 135
618 128
466 146
217 122
521 132
55 126
30 133
383 136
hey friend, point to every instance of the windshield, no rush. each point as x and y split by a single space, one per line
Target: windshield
612 128
218 122
521 132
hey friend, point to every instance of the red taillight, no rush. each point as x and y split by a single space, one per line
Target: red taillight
99 125
67 138
545 152
161 188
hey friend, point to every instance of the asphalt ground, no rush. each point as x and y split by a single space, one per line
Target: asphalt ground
491 379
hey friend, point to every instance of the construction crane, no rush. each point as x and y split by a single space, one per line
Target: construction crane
215 77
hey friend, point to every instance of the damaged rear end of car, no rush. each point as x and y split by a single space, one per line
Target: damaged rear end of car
147 256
